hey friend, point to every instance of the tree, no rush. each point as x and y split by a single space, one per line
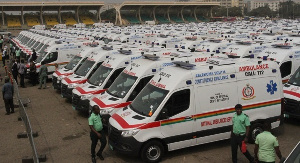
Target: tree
109 15
262 12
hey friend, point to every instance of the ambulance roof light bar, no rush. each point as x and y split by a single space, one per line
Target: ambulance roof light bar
220 61
282 46
184 65
151 57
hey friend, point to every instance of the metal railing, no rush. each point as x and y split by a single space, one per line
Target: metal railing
26 121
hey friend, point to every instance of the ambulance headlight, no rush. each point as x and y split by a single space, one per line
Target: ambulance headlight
106 111
73 85
129 133
86 97
61 77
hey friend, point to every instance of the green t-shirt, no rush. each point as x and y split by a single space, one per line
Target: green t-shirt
1 41
266 142
95 121
240 122
18 52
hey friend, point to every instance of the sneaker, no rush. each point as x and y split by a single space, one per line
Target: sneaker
100 156
93 160
12 112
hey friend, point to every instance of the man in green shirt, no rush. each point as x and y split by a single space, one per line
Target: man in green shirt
266 145
18 53
43 74
95 123
239 133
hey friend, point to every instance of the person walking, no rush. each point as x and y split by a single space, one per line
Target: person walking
96 126
43 74
32 73
1 43
3 57
33 55
22 70
8 94
18 53
14 70
239 133
266 145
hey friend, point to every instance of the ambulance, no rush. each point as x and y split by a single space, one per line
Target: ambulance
133 79
59 54
291 91
190 104
88 68
286 55
72 66
103 77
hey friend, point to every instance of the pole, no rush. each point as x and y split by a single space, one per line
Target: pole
227 8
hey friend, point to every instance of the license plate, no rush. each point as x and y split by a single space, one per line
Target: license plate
111 147
286 116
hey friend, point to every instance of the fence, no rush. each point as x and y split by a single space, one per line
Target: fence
26 120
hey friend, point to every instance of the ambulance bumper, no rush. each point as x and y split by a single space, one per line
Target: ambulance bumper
124 145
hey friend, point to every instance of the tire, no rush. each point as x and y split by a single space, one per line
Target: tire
255 129
152 151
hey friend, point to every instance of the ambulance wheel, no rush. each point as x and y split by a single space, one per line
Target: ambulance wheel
152 151
255 129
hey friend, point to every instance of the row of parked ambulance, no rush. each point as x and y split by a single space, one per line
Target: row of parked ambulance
166 87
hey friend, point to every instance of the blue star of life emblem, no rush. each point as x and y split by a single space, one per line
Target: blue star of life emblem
272 87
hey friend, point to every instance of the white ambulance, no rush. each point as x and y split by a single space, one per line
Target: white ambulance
286 55
189 105
101 79
291 91
72 66
133 79
59 54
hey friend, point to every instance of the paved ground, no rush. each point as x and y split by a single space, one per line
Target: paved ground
64 135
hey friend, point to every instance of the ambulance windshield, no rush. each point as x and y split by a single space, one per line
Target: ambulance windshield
73 62
40 57
100 75
148 100
295 79
85 67
121 85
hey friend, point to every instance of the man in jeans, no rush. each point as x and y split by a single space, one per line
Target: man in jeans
95 123
239 133
8 94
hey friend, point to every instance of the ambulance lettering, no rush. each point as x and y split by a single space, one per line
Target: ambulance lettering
253 73
270 52
200 59
167 53
106 64
159 85
218 97
135 65
216 121
167 64
254 67
129 73
134 58
165 74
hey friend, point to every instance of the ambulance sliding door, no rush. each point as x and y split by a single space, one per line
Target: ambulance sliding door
177 125
214 110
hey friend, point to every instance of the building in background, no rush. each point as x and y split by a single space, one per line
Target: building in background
273 5
227 3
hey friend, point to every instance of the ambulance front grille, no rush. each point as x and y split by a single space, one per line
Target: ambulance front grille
75 100
113 134
64 88
292 106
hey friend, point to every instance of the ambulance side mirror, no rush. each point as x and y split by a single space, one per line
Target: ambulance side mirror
164 113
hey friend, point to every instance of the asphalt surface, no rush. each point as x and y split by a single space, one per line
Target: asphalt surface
63 134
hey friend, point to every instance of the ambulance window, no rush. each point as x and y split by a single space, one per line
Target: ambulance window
286 69
94 69
139 87
51 57
113 77
178 102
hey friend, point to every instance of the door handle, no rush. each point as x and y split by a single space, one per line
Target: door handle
188 118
